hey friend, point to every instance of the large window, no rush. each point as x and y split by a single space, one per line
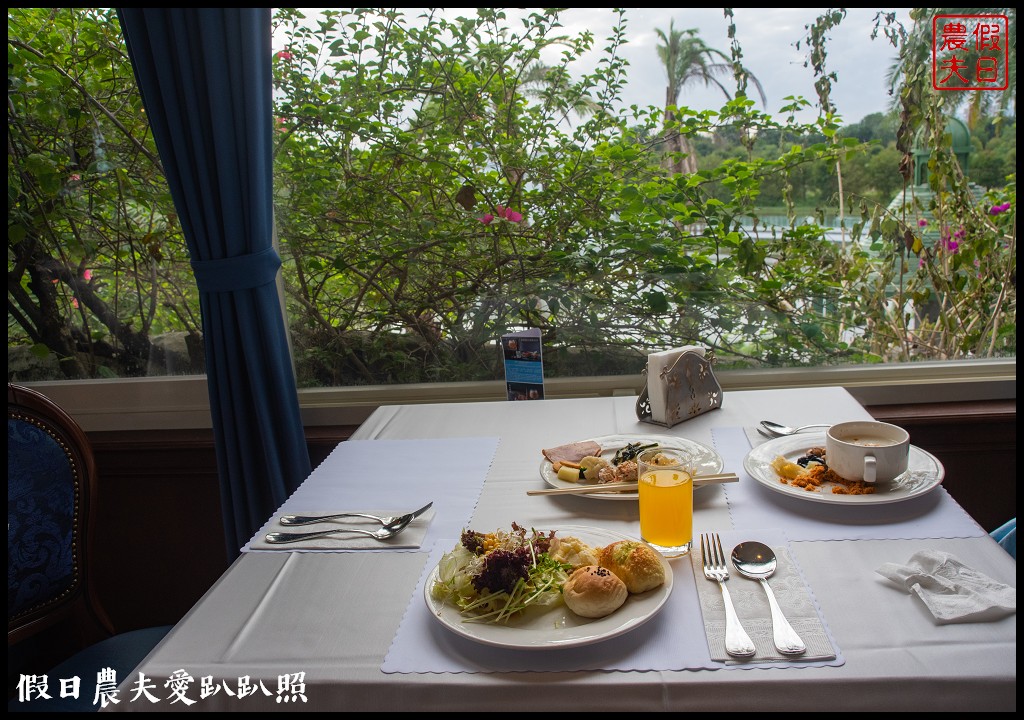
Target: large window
443 178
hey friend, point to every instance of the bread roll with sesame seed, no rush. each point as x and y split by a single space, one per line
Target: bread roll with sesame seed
593 592
637 564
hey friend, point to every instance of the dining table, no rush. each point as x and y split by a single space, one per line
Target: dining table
354 625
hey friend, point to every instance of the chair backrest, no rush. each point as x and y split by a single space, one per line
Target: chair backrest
51 482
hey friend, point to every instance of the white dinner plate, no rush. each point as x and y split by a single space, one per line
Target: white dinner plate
556 626
708 461
924 473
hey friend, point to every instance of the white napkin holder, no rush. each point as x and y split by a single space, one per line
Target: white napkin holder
681 384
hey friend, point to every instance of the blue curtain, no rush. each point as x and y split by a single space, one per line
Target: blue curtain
205 79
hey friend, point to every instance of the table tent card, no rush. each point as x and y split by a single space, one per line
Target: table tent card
524 365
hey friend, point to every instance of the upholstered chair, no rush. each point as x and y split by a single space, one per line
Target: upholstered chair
51 489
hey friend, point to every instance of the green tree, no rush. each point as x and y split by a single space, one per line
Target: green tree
880 127
689 60
883 174
95 258
429 198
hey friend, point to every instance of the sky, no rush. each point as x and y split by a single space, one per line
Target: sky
768 38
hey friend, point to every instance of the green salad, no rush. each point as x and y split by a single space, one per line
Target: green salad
491 577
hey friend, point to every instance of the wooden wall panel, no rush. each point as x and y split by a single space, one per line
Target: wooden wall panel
160 542
976 444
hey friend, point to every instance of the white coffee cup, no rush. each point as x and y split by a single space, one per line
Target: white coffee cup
867 450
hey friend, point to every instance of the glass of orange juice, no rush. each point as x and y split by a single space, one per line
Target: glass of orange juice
666 499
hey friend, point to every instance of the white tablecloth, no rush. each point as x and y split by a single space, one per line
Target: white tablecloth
393 477
334 616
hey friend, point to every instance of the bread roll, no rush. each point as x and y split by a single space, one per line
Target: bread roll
593 591
637 564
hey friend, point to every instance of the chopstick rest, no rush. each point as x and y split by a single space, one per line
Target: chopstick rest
698 481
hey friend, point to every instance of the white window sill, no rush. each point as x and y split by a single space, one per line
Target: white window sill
173 403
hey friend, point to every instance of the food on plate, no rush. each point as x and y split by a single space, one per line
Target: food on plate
492 577
573 551
630 451
591 467
786 468
625 471
582 462
593 591
663 459
812 473
571 452
568 473
635 563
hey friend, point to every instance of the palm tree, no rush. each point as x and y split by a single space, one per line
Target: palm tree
687 60
539 78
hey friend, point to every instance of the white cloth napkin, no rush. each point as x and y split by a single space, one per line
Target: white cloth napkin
952 591
411 537
794 597
657 363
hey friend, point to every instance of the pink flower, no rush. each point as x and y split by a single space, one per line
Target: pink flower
74 302
997 209
284 55
922 222
87 275
75 177
504 213
920 261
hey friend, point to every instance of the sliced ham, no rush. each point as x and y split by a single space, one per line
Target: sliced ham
573 452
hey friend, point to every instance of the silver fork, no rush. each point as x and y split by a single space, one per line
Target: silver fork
384 521
384 533
737 642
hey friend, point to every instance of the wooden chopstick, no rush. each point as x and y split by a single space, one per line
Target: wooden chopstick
613 487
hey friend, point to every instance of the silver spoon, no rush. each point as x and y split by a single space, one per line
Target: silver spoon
776 429
388 531
311 519
757 561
